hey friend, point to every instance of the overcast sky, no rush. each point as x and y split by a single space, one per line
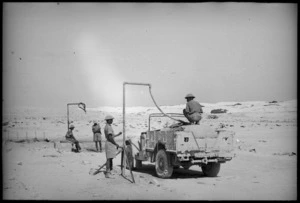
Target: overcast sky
54 54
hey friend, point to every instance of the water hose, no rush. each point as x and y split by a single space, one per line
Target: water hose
181 121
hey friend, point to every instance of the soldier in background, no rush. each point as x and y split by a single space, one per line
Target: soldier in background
97 135
70 137
193 110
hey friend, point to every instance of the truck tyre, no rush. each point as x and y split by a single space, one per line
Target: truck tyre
211 169
162 165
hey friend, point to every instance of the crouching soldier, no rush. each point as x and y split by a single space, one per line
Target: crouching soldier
193 111
70 137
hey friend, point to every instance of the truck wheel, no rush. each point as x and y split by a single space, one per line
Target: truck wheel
211 169
162 167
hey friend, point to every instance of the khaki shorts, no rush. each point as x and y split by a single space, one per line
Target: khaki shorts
110 150
97 137
195 117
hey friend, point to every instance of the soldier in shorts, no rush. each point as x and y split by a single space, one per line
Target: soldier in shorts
97 136
110 145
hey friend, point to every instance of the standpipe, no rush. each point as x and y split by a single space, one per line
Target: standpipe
124 121
124 135
80 105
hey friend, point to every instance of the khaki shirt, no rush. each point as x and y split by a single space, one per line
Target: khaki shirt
108 130
193 106
110 148
96 129
69 134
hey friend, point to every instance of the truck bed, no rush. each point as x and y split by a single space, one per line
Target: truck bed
197 140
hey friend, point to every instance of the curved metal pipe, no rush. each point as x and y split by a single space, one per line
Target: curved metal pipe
80 103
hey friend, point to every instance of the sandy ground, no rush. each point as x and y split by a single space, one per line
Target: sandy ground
37 167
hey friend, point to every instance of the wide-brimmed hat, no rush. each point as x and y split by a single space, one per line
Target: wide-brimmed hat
189 96
108 117
72 126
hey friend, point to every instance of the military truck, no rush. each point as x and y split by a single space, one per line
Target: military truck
184 145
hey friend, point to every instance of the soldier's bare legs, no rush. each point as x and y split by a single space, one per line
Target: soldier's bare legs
78 148
108 167
100 146
96 146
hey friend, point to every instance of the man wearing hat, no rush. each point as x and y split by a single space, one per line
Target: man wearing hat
110 145
193 109
97 135
70 137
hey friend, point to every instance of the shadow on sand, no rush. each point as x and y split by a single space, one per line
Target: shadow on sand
179 173
91 150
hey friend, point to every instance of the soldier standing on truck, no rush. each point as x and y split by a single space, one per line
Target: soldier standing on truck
97 135
110 145
193 109
70 137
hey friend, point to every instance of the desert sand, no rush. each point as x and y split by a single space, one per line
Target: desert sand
36 166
